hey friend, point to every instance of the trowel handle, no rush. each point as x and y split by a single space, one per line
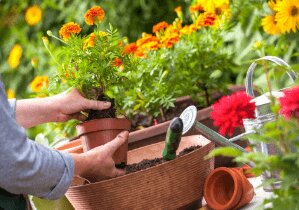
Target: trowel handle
248 82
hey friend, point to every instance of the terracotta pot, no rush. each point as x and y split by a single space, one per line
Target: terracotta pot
95 133
171 185
227 188
72 147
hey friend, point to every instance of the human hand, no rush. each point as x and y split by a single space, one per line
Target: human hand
97 164
69 105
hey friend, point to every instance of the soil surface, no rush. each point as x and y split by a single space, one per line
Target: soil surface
142 121
106 113
146 163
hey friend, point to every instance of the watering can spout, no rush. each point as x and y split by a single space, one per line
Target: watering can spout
188 117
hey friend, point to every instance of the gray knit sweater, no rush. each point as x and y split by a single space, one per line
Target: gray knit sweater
27 167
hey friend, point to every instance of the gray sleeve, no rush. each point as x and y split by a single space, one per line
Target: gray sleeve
27 167
12 103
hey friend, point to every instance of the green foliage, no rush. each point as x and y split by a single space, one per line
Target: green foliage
95 64
130 17
198 65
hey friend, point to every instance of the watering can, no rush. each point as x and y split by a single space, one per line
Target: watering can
263 115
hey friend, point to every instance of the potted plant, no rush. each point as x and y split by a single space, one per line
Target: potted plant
181 64
98 67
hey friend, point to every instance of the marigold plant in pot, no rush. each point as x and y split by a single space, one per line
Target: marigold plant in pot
95 64
179 60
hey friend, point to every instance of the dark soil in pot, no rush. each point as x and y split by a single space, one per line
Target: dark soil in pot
106 113
146 163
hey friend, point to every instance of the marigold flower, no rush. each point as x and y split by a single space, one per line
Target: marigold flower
196 8
160 26
117 62
289 103
69 28
206 19
38 83
93 14
188 29
287 15
148 42
130 48
228 113
90 41
15 56
33 15
10 93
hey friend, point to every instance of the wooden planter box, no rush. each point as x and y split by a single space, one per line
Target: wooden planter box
170 185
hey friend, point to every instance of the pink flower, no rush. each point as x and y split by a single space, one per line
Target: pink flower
228 113
289 103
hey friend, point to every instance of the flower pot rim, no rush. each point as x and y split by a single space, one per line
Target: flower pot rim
103 124
237 193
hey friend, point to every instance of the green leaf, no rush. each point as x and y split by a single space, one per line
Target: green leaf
225 151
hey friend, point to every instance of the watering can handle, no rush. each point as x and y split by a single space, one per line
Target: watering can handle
277 60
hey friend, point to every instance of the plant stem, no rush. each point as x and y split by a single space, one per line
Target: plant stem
162 114
206 95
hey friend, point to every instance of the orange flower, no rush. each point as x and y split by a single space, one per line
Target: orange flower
69 28
93 14
206 19
130 48
160 26
117 62
188 29
195 8
39 83
171 36
90 41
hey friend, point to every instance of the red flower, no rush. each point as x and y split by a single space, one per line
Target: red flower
289 103
229 112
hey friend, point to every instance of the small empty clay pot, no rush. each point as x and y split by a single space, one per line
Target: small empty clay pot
227 188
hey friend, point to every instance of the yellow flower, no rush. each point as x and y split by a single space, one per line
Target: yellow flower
257 45
93 14
10 93
90 41
15 56
69 28
270 26
33 15
188 29
287 15
39 83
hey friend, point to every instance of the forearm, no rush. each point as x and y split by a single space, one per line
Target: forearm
31 112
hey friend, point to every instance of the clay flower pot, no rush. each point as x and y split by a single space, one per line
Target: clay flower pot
173 184
72 147
95 133
227 188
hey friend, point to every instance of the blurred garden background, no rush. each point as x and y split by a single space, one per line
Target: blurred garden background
217 51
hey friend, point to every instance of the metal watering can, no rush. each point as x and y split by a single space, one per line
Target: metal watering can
263 115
